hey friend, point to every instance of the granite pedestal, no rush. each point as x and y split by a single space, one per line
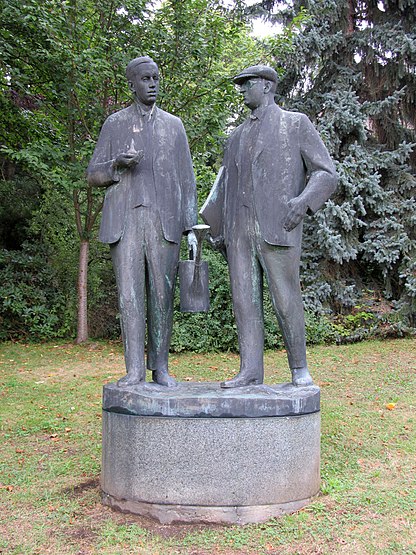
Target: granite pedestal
199 453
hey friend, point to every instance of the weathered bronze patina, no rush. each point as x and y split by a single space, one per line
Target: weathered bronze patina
142 157
275 170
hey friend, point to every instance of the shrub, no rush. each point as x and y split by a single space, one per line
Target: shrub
31 304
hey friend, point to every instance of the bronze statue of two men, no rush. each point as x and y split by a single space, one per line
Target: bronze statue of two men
275 170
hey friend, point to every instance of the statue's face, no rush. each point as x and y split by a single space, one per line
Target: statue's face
253 92
145 83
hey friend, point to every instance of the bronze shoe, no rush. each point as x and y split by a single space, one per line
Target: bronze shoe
162 377
133 377
301 377
241 380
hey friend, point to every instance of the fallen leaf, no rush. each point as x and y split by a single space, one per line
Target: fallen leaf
7 488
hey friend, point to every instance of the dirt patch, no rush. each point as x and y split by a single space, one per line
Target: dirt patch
82 533
178 530
81 538
98 514
164 531
79 489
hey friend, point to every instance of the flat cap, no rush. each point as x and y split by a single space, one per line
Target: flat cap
266 72
132 66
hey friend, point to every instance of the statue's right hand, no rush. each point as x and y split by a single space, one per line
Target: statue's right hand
217 243
128 159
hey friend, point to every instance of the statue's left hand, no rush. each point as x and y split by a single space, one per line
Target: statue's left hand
127 160
297 211
192 243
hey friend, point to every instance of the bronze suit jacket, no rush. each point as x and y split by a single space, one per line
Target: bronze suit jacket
173 176
289 160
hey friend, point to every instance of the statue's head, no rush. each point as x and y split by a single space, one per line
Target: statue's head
143 77
257 84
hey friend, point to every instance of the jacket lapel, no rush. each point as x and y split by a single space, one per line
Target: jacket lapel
269 130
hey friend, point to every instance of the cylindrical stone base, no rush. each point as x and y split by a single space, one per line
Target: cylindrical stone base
230 470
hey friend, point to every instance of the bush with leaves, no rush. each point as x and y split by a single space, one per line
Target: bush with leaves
31 304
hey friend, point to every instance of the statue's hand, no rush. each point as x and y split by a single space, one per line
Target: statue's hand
217 243
297 211
127 160
192 244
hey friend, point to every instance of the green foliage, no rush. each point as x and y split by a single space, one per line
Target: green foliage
350 69
199 45
19 197
31 305
103 311
281 45
63 73
352 72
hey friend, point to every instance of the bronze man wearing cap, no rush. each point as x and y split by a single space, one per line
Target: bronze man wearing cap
275 170
142 157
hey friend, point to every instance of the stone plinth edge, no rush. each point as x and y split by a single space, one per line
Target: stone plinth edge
209 400
171 514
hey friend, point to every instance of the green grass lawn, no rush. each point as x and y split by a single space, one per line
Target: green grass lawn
50 434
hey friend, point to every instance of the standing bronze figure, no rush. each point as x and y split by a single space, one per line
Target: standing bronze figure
275 170
142 157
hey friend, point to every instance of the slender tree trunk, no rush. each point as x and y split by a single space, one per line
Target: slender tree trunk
351 17
82 328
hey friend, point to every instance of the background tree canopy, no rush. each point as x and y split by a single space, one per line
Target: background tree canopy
350 66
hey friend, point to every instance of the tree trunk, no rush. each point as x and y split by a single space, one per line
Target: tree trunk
82 330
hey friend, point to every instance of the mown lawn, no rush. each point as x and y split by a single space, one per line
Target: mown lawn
50 434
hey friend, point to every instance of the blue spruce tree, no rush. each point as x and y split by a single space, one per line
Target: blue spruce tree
353 71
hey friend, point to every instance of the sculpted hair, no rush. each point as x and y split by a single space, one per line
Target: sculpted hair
132 66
